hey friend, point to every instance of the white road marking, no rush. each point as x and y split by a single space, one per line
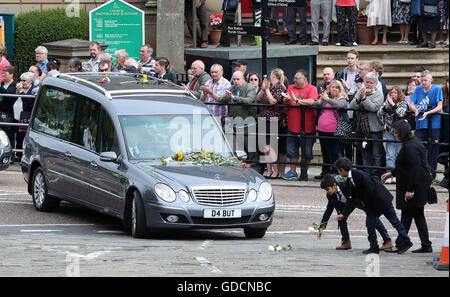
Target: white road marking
205 263
17 202
110 232
40 231
205 244
43 225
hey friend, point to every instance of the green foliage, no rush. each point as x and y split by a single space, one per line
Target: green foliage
37 27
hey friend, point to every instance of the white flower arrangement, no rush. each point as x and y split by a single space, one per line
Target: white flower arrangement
279 248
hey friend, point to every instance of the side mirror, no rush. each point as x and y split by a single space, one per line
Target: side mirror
108 157
241 155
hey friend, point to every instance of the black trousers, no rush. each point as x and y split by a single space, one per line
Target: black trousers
344 13
418 215
227 20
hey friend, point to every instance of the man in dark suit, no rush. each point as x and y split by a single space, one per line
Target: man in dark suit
337 200
369 194
162 72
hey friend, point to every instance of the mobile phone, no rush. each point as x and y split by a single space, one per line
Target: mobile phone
284 94
264 76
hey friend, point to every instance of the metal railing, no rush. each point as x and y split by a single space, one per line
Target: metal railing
302 134
354 140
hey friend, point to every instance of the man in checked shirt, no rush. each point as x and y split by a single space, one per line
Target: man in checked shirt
213 90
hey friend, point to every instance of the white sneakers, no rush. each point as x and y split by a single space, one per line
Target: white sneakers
391 180
354 44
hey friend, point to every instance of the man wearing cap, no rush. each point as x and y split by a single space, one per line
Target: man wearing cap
241 65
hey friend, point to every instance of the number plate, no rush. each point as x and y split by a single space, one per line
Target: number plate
210 213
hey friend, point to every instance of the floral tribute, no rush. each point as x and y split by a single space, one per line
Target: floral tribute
204 158
279 248
317 227
216 21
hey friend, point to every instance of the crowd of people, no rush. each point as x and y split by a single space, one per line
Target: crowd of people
356 95
413 16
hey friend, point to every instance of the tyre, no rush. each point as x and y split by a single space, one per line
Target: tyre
138 225
255 232
41 200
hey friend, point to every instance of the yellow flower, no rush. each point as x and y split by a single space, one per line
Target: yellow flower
180 156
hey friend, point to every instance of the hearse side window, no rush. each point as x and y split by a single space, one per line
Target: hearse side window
108 140
55 113
86 123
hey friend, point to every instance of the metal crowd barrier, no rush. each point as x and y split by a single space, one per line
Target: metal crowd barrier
300 135
353 140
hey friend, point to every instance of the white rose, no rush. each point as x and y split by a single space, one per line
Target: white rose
311 229
271 248
279 248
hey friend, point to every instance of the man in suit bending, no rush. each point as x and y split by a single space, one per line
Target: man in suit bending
368 193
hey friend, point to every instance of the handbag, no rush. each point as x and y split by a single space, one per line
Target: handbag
6 118
432 196
343 128
24 119
430 11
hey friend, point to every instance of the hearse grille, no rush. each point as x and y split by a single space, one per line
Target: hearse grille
219 196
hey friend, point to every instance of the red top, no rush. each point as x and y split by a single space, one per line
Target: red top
346 3
294 114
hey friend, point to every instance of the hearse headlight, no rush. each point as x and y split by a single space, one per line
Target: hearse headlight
165 192
265 191
252 195
4 138
184 196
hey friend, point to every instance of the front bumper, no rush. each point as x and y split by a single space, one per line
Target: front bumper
192 217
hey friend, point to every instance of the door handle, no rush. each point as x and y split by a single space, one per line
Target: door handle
68 154
94 164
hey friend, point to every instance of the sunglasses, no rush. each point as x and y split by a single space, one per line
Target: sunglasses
254 79
103 70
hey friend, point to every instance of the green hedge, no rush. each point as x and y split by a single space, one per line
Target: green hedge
37 27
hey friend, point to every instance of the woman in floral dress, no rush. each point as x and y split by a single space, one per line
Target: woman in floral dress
401 14
271 93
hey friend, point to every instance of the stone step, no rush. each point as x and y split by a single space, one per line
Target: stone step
391 51
390 65
400 78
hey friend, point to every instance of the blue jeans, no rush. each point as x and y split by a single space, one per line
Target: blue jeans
392 150
373 154
391 216
294 143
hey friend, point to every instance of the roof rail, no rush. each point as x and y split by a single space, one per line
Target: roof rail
72 77
80 80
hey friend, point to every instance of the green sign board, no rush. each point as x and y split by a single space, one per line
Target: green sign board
120 25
